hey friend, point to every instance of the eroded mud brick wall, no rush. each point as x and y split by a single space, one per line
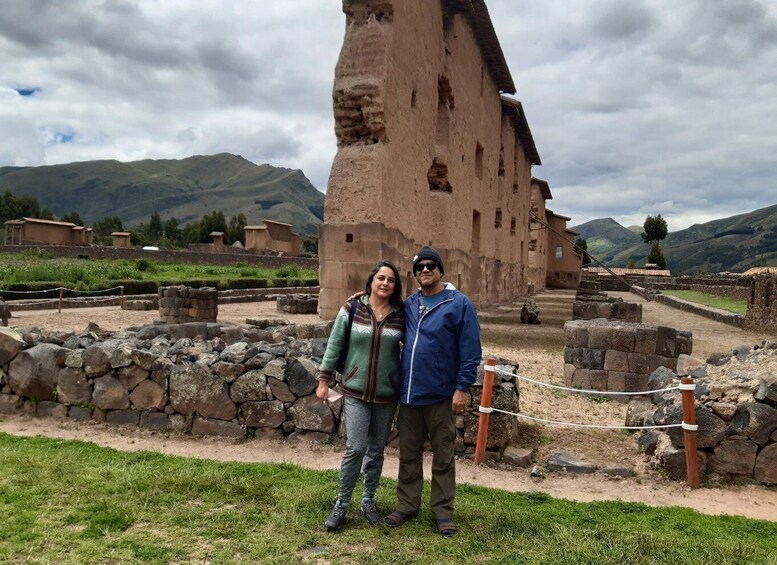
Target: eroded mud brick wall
762 304
428 152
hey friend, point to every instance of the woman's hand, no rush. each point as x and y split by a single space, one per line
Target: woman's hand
322 392
356 295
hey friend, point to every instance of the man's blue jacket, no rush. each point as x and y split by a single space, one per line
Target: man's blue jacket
442 348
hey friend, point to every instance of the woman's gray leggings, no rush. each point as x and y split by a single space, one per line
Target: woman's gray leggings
367 426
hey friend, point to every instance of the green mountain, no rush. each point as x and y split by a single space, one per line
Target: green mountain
729 244
605 234
185 189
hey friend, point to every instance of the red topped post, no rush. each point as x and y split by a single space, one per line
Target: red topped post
485 409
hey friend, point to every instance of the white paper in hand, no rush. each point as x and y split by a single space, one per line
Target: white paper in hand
333 395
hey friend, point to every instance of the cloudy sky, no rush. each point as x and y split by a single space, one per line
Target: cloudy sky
637 107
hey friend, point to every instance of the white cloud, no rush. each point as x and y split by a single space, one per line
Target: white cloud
639 107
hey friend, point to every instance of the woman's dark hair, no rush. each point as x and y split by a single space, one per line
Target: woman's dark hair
396 296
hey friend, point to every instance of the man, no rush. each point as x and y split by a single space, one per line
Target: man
439 364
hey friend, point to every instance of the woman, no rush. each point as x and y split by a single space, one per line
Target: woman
371 380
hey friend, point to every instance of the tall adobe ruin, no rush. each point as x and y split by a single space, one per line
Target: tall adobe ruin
430 151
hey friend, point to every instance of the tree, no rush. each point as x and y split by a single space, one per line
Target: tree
105 227
236 229
656 256
14 207
581 245
155 227
655 229
73 218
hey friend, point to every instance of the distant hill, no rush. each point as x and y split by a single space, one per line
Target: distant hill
185 189
729 244
604 235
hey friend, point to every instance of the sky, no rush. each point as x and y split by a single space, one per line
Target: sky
637 107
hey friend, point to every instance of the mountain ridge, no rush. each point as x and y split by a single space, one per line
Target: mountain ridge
733 244
184 188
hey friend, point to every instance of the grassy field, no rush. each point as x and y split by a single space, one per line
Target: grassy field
87 274
735 305
72 502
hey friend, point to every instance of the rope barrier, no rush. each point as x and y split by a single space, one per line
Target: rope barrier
61 288
688 425
589 391
574 425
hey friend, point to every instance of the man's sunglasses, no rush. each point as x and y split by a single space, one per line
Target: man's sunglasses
428 266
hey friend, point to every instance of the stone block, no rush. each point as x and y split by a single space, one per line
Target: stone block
666 342
645 340
616 361
623 339
656 361
569 371
734 457
123 417
766 465
575 335
638 363
600 337
214 427
154 421
79 413
49 409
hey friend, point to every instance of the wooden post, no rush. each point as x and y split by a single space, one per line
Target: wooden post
485 402
689 417
121 296
61 293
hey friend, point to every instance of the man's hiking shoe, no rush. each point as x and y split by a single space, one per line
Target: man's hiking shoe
336 519
370 512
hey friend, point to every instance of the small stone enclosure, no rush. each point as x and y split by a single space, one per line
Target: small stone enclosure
619 356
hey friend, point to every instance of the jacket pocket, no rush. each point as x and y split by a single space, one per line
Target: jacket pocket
351 374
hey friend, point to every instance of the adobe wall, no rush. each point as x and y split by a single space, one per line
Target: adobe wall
762 304
50 234
538 242
424 151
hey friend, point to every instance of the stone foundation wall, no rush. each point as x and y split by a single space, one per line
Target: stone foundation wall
181 304
203 379
297 304
619 356
591 309
762 304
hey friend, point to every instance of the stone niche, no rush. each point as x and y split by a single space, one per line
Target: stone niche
619 356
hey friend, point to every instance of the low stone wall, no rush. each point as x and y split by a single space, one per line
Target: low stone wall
592 309
735 410
166 255
712 313
619 356
297 304
728 291
201 378
762 304
181 304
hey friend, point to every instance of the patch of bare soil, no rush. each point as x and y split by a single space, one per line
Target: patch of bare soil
539 351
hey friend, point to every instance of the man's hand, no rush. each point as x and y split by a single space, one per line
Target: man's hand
459 403
356 296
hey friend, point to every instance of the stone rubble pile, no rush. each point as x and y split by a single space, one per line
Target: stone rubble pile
736 411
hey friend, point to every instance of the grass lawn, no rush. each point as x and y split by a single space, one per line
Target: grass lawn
87 274
74 502
735 305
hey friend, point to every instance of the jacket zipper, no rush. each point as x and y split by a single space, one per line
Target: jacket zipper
415 341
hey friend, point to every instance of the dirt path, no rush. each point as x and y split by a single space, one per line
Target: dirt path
538 349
